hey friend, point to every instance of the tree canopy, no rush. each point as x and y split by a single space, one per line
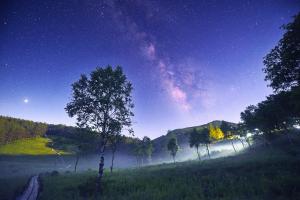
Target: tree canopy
173 147
282 64
280 111
195 140
12 129
215 133
102 102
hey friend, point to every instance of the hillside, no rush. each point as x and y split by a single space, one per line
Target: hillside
182 135
68 138
63 138
30 146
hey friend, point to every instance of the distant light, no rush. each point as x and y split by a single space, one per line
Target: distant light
256 129
297 126
249 134
26 100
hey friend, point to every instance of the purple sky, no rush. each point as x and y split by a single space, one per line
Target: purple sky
190 62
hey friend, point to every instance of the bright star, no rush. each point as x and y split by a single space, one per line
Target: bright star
26 100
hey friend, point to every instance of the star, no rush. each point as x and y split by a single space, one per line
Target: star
26 100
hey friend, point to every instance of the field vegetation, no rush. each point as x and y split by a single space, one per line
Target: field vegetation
261 174
30 146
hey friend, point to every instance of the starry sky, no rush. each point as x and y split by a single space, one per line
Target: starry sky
190 61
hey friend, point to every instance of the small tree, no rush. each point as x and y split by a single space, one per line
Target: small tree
102 103
138 151
77 152
147 148
83 142
114 141
215 133
228 133
195 141
242 131
206 139
173 147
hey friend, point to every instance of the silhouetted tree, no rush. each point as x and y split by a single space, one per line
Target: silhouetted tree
114 141
282 63
103 104
195 141
243 134
206 139
228 133
147 148
138 151
173 147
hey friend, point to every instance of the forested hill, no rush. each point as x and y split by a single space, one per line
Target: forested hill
61 137
182 135
12 129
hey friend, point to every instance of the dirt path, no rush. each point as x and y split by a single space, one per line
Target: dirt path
32 190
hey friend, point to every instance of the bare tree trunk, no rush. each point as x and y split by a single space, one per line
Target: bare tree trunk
101 167
233 146
242 142
174 159
77 159
112 160
198 153
248 142
207 150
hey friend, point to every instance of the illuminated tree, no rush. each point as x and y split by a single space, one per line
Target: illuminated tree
215 133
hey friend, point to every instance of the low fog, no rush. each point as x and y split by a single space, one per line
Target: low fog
30 165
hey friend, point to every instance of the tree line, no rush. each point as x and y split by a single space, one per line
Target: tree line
205 136
280 112
13 129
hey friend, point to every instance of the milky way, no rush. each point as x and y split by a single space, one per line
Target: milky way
190 62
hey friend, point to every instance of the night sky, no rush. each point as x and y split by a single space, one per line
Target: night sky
190 62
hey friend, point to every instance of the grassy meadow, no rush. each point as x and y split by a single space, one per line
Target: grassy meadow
266 173
30 146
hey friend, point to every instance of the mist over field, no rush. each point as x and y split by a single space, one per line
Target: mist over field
14 166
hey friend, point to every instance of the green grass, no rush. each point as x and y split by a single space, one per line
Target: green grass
264 174
30 146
